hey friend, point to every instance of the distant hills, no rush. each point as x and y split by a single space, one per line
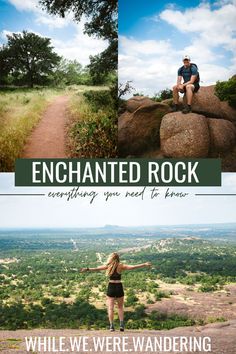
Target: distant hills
131 227
223 231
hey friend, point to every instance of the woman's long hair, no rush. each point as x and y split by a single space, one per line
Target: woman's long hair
112 263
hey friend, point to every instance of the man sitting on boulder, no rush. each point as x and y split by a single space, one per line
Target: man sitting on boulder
189 73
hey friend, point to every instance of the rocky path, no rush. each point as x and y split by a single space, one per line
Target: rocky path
48 138
222 336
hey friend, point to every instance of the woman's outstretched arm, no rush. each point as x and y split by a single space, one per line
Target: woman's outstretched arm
131 267
104 267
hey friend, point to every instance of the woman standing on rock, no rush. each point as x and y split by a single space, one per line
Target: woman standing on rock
115 290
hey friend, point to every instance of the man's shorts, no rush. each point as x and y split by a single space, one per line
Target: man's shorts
196 88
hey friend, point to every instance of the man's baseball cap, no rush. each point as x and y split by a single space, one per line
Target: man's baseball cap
186 57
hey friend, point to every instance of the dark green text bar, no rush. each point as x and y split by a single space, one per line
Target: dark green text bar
118 172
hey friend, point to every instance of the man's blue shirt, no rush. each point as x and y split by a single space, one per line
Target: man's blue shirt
187 72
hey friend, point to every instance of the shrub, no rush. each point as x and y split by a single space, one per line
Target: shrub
93 132
131 298
98 99
161 294
138 94
226 91
150 301
165 94
46 301
205 288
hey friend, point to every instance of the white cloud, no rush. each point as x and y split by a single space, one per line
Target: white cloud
79 48
211 73
145 47
51 22
149 72
213 27
41 16
25 5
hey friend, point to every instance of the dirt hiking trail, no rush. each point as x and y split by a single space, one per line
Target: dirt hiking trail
223 340
48 138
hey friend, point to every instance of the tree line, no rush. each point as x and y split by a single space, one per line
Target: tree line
28 59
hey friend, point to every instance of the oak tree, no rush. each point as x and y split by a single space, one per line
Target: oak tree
29 58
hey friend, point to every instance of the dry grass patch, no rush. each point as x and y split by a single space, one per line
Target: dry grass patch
20 111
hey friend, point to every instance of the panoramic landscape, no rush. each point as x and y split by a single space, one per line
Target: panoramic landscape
192 280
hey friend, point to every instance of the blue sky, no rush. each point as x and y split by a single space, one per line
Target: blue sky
67 36
154 35
42 212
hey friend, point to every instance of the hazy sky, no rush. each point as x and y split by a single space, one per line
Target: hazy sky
45 212
67 36
154 36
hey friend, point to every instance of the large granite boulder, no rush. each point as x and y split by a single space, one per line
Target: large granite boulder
137 101
140 131
184 135
222 135
207 103
228 112
208 131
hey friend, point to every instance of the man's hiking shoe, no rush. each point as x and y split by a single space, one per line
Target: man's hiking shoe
174 108
187 109
112 329
122 328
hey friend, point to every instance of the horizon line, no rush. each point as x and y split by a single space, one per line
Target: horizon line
110 226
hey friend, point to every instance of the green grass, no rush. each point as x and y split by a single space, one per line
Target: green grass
92 130
20 111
